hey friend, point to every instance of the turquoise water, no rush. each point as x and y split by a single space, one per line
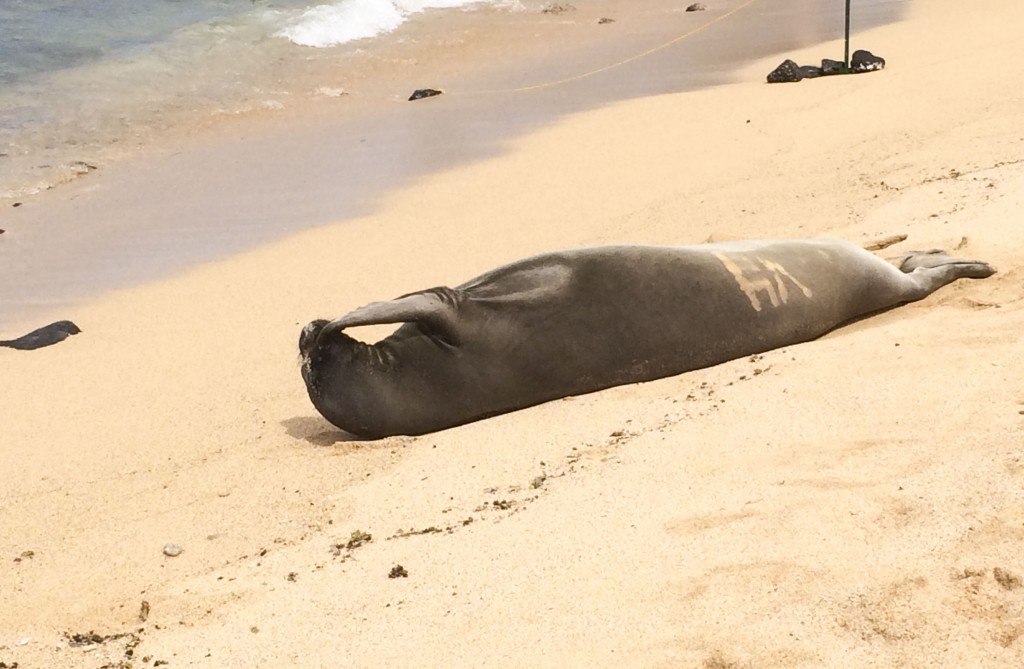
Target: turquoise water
137 88
42 36
82 80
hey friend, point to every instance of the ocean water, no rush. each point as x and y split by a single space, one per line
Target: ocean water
84 80
242 121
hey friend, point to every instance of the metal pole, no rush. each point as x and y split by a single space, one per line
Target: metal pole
846 52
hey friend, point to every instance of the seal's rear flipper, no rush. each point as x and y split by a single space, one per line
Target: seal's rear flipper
925 272
932 258
432 308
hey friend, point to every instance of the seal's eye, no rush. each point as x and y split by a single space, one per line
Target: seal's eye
309 334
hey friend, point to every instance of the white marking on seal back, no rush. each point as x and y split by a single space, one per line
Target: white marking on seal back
754 275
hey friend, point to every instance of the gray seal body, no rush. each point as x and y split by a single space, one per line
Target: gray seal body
577 321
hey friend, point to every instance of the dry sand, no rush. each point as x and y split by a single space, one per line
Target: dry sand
855 501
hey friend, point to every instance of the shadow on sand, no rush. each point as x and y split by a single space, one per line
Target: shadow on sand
317 431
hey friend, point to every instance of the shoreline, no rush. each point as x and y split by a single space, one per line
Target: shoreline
248 181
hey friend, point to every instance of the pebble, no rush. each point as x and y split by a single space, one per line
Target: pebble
421 93
171 550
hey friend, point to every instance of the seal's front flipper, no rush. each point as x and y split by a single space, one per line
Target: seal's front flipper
433 308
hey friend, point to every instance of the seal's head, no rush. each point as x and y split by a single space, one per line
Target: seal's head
308 336
308 348
341 374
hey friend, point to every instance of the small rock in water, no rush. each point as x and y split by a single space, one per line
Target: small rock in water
172 550
557 8
865 61
697 7
421 93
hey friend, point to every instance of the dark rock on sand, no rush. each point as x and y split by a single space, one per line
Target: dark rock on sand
786 72
697 7
420 93
862 61
604 20
865 61
44 336
832 66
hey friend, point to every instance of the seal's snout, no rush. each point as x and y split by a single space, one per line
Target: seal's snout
309 335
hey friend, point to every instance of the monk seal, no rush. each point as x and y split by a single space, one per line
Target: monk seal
577 321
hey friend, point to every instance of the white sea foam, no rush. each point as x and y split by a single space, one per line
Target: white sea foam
349 20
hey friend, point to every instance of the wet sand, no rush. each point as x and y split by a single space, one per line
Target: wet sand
850 502
230 184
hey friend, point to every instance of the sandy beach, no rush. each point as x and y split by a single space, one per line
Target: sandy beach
856 501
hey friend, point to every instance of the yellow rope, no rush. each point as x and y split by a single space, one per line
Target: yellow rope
675 40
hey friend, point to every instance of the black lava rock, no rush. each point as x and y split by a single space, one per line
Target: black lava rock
44 336
421 93
865 61
786 72
832 66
